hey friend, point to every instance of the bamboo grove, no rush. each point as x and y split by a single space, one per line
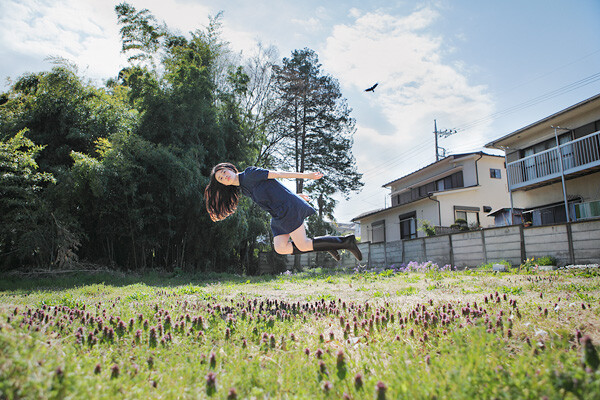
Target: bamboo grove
114 174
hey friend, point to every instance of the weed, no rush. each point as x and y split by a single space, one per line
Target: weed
304 336
407 292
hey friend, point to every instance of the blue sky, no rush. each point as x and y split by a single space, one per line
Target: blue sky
486 68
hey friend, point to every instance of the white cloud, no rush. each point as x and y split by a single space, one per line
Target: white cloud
415 84
309 24
84 31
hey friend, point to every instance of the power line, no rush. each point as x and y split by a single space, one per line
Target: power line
410 151
420 149
546 96
576 61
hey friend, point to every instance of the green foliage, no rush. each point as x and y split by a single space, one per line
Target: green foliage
427 228
63 114
130 160
533 263
460 224
409 291
139 32
24 219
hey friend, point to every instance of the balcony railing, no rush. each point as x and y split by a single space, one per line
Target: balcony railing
577 155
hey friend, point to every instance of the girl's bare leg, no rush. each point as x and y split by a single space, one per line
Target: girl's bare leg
302 242
282 244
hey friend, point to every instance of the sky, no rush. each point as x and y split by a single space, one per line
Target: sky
482 68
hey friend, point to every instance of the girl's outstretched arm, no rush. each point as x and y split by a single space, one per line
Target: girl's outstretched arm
295 175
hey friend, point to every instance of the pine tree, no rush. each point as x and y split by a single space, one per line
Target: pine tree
317 129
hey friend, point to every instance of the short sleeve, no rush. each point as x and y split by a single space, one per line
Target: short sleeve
253 175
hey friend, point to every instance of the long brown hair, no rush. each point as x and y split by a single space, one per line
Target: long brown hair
221 200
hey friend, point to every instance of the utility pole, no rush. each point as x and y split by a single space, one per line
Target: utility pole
435 133
444 133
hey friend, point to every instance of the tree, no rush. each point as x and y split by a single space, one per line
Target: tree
62 113
318 129
24 219
190 108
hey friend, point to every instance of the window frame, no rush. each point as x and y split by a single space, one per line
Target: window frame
377 224
412 217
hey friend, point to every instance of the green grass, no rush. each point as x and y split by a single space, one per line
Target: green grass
418 334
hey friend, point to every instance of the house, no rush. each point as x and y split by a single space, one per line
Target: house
346 228
553 165
461 186
502 216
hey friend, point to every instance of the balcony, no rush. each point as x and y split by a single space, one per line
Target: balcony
577 156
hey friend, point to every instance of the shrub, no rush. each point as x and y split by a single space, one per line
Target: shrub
533 263
427 228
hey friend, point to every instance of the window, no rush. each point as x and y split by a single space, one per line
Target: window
546 145
378 232
587 210
420 192
472 217
495 173
451 182
408 226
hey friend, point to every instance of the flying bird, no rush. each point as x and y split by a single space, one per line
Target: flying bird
372 88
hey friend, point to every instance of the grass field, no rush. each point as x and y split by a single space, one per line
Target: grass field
318 334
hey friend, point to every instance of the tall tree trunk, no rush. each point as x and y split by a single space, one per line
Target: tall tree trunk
303 148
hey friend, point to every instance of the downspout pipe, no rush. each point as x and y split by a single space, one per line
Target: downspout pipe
476 170
439 209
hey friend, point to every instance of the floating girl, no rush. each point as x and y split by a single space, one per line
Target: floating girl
288 210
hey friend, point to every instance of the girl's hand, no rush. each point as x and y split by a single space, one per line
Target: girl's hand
314 175
305 197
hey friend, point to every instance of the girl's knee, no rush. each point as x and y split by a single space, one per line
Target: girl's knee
304 245
280 248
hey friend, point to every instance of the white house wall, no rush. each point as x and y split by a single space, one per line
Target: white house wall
588 187
425 209
535 134
442 169
491 192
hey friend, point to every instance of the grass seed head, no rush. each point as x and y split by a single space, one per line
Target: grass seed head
114 371
380 389
211 383
322 368
232 394
341 358
358 381
590 356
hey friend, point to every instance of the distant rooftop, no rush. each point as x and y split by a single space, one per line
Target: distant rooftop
452 156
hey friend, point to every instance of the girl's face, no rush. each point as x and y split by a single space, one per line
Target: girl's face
225 176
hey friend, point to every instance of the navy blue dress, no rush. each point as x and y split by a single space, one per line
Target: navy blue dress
287 209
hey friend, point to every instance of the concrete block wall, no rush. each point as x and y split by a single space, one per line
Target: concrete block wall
576 242
468 249
414 250
394 252
586 242
377 254
503 244
552 240
438 250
